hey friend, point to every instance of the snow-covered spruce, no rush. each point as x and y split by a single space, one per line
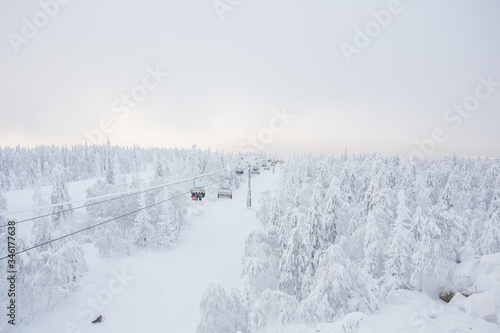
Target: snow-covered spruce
340 235
222 310
52 272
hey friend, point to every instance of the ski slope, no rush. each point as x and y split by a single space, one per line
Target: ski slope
161 292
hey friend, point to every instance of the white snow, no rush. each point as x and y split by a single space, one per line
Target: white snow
165 292
421 314
161 291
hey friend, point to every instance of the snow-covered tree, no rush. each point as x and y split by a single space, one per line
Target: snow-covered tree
59 272
335 216
159 170
109 238
270 212
373 247
398 267
222 310
417 225
144 232
314 220
340 287
62 218
489 242
428 256
296 261
260 262
68 266
168 224
3 206
43 228
273 305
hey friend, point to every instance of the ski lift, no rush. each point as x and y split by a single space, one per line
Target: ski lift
239 172
255 171
267 167
225 192
197 193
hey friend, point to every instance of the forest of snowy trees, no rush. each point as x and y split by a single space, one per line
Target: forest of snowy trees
343 235
22 167
51 272
339 234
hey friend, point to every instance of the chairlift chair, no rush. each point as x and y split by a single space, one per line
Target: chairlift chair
255 171
197 193
239 172
225 192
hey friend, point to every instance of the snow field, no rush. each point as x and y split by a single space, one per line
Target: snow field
366 244
161 291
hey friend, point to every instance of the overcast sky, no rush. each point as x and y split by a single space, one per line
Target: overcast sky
345 76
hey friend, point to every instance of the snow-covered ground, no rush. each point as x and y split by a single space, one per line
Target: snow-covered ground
161 292
412 311
415 312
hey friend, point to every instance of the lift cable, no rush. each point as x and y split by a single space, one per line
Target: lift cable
98 224
114 196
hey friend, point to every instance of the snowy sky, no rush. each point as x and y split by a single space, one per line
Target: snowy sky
349 76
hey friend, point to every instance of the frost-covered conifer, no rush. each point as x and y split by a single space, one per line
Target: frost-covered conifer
110 238
373 247
339 288
260 261
56 273
489 242
273 305
168 225
314 220
61 220
398 267
110 170
64 270
144 231
159 170
296 260
43 228
335 216
489 239
222 310
3 206
428 256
